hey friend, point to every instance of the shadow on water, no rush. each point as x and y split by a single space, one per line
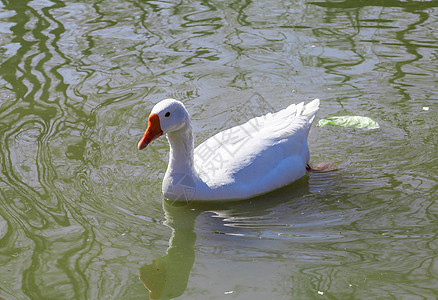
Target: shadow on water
167 276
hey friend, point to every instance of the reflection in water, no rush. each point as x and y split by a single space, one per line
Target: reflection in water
46 153
167 276
36 209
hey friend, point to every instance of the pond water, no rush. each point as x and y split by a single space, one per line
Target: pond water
81 211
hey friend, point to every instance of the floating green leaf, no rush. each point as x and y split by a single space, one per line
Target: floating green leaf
350 121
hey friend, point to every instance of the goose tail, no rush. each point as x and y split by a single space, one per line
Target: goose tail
310 109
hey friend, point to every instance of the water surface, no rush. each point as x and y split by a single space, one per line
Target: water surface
81 212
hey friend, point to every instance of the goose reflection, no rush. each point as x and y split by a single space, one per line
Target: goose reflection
167 276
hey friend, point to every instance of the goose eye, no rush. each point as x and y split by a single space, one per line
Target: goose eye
167 114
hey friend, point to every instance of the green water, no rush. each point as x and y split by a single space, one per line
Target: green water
81 212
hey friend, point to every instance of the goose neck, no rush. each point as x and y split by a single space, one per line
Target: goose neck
181 150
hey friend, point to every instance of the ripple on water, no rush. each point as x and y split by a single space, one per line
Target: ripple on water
81 209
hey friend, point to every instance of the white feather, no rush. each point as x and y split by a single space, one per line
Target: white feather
261 155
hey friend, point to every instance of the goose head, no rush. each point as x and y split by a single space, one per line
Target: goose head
166 116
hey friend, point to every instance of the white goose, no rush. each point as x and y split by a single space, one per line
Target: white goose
264 154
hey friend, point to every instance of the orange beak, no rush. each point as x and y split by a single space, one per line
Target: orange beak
152 132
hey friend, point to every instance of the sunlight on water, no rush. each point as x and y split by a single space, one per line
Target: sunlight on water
81 212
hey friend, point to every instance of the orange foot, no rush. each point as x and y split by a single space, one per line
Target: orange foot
321 167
